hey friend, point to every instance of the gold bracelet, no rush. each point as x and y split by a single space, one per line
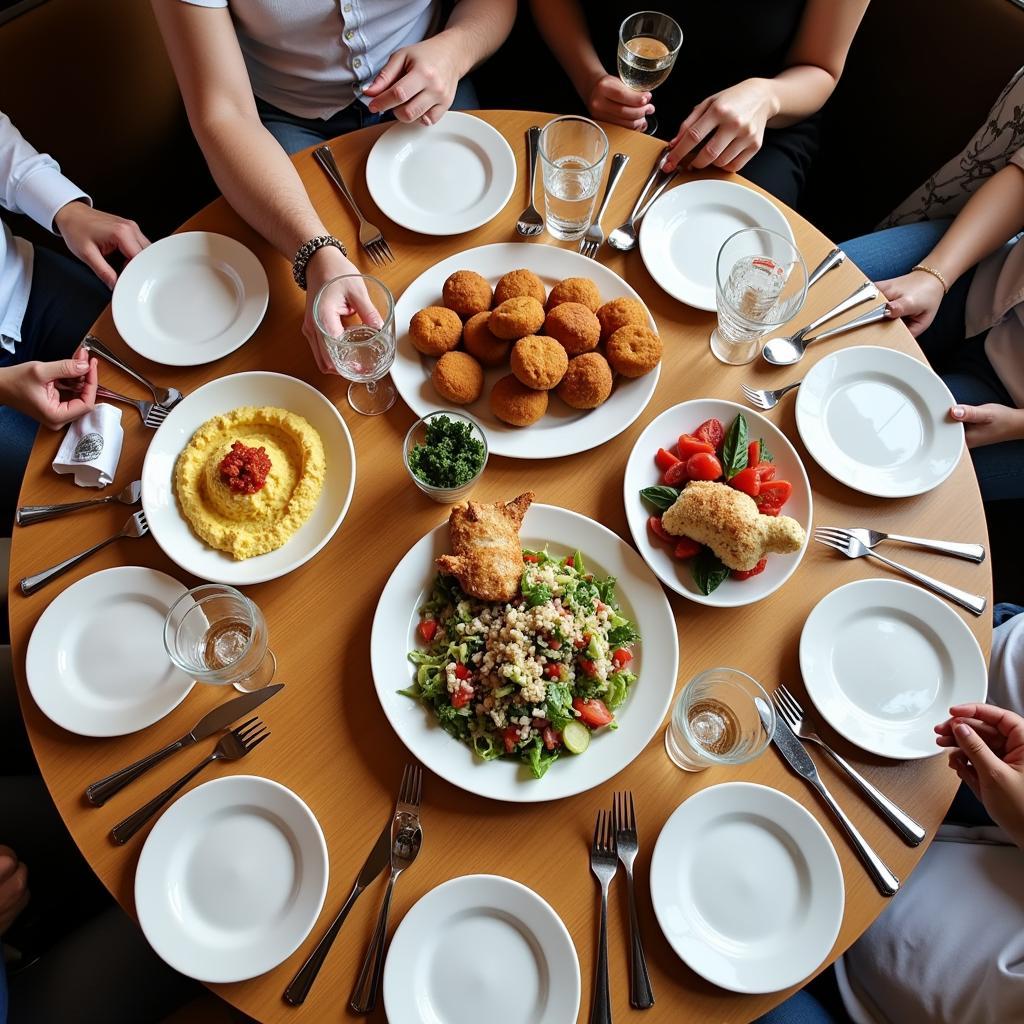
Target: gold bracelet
938 277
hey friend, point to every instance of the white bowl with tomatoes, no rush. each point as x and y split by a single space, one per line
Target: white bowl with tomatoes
704 440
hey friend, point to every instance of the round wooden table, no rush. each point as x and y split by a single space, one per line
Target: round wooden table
332 745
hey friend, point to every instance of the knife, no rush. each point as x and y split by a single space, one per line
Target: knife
213 721
379 858
792 750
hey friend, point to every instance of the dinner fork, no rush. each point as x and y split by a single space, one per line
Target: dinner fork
168 398
530 221
151 413
789 707
641 994
232 746
406 837
765 399
853 548
869 538
29 514
604 862
594 238
137 526
370 237
623 237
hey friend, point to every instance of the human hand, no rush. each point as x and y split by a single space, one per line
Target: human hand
31 388
92 235
418 82
988 755
608 99
989 424
915 298
736 116
14 892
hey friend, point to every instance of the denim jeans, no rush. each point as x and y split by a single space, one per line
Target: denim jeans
799 1008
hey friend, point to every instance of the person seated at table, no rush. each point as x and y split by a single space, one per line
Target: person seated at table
750 79
47 301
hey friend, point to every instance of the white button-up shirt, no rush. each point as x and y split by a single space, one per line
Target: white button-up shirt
313 58
30 183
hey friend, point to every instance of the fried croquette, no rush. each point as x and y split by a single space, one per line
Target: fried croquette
574 326
520 282
516 318
618 313
575 289
587 382
466 292
513 402
633 350
539 362
481 344
458 378
435 330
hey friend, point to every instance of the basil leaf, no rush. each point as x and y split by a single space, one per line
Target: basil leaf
708 571
734 447
766 456
659 498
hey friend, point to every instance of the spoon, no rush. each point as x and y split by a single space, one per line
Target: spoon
623 237
29 514
870 317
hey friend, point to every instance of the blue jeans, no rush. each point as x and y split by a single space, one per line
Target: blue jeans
799 1008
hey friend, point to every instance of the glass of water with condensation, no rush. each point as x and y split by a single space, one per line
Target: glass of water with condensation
760 284
572 154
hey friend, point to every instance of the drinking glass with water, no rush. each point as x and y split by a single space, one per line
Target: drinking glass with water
572 155
760 284
649 43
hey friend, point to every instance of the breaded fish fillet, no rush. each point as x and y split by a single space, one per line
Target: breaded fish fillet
488 558
728 522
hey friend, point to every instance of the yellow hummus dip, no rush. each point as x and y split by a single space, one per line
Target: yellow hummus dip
246 524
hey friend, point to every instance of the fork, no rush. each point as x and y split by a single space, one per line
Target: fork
765 399
604 862
789 707
370 237
530 221
623 237
168 398
406 837
232 746
29 514
137 526
848 545
641 994
151 413
594 238
869 538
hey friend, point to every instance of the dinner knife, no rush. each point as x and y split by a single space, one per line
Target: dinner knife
213 721
793 753
379 858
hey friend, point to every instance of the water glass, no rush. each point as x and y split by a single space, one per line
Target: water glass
649 43
716 722
218 635
361 353
572 155
760 284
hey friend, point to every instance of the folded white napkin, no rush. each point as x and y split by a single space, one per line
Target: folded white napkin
92 447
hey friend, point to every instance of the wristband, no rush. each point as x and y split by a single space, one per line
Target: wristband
938 277
305 254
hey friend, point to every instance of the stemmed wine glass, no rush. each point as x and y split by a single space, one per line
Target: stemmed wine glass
362 353
649 43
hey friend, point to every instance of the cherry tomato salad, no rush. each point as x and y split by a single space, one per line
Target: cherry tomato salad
713 453
531 679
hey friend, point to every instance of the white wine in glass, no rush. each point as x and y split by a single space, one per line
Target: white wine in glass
649 43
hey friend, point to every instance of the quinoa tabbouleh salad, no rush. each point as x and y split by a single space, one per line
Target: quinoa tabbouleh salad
531 678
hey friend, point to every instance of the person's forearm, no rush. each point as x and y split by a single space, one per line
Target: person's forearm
798 92
6 393
564 29
480 27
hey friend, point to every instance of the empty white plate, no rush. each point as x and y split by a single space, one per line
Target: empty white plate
96 662
441 179
878 421
682 232
190 298
883 662
231 879
747 887
482 948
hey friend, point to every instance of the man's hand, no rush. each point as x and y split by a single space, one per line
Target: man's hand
31 388
13 887
92 235
989 424
609 100
914 297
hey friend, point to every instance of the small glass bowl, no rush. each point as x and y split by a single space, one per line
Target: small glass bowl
417 435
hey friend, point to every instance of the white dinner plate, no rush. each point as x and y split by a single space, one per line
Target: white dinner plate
190 298
96 663
681 234
641 472
562 430
169 527
883 661
482 948
878 421
231 879
656 663
441 179
747 887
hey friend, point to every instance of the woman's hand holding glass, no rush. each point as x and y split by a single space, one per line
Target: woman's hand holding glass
608 99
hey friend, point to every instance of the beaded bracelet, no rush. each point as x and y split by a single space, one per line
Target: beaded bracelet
305 254
931 270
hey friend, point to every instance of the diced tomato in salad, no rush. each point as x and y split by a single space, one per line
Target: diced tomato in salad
427 630
712 432
593 712
664 459
745 574
622 657
461 697
773 495
688 445
747 481
686 548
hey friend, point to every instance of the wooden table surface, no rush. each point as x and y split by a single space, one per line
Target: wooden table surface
332 745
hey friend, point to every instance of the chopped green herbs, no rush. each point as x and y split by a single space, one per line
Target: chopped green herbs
450 456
